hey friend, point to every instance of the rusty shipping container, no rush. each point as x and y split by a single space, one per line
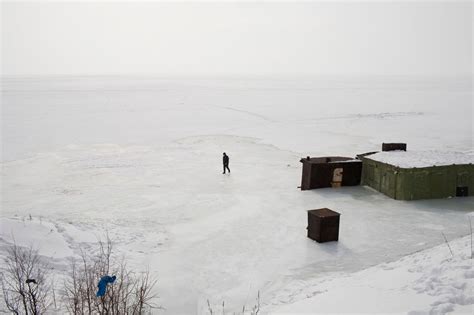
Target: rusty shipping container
330 171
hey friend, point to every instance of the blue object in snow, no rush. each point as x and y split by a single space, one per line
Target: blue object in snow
103 284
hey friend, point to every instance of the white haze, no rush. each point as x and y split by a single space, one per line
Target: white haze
227 38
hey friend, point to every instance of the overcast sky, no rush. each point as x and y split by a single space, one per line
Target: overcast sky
307 38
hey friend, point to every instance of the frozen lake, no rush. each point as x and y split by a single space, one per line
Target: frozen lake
320 116
141 158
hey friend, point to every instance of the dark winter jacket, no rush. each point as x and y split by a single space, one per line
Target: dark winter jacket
225 160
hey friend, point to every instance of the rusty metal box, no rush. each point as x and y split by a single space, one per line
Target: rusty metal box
319 172
323 225
394 146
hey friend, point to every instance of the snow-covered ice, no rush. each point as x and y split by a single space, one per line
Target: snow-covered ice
410 159
141 159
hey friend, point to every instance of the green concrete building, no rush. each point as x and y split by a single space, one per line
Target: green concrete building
419 175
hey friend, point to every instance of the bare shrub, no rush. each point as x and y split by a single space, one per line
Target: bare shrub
25 287
131 293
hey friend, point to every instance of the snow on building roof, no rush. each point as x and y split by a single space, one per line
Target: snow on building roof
410 159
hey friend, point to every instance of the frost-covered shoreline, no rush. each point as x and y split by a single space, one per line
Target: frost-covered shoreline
428 282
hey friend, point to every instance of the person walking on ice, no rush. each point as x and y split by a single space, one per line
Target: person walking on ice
225 161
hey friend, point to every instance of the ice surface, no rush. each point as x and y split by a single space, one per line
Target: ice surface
141 159
317 117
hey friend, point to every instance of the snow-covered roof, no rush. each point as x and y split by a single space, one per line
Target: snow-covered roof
410 159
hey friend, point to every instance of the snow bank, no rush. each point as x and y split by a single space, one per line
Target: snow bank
431 281
410 159
34 232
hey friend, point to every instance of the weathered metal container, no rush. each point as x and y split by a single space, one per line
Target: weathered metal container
330 171
394 146
323 225
413 183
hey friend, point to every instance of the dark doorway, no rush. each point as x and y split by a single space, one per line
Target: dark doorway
462 191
